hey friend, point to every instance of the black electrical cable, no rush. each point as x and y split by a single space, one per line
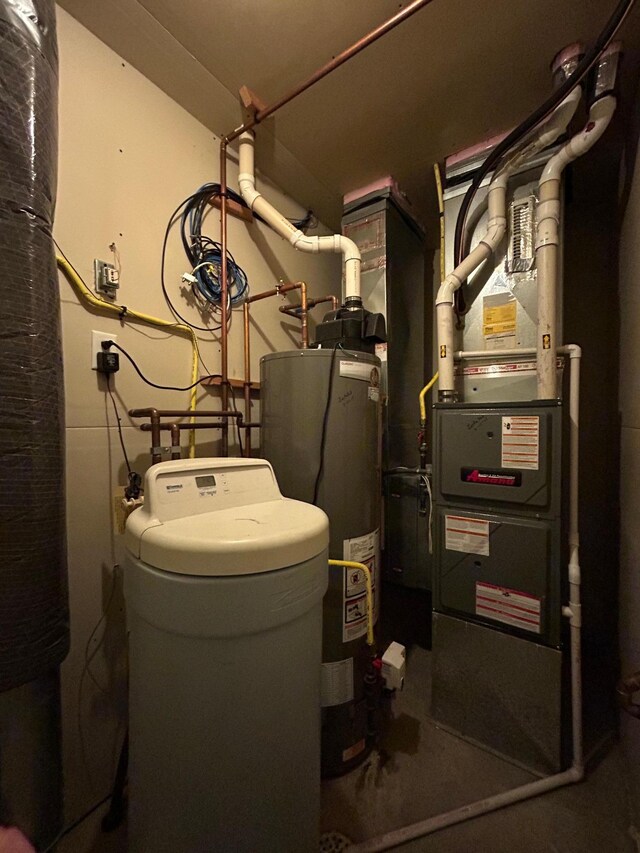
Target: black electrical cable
325 422
119 423
75 824
174 310
237 420
108 344
586 63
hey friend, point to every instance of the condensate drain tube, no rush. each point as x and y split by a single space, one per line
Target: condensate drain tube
298 239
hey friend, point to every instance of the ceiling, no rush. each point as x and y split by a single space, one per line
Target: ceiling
456 72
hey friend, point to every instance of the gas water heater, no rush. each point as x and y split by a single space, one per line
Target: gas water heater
321 432
224 583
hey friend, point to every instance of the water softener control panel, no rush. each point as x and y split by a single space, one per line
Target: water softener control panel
191 487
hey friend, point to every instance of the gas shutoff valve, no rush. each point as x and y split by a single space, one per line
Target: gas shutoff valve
393 666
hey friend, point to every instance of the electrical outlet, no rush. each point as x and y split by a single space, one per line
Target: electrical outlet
96 345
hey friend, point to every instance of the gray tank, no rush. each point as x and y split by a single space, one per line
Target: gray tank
295 388
224 583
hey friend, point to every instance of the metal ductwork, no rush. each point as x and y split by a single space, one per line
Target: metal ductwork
34 629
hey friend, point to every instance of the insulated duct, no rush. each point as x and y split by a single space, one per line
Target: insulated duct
34 631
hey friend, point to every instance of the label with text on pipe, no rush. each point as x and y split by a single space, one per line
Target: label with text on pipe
521 442
468 535
509 606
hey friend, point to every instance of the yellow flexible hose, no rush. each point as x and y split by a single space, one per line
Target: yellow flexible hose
423 394
349 564
434 379
84 294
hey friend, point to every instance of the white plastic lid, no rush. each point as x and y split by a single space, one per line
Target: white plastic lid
218 517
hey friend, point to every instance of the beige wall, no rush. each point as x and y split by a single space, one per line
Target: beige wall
128 156
629 292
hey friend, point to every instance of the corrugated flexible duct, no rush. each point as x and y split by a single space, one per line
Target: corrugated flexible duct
34 630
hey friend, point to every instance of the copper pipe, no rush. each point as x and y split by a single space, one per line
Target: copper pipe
336 62
201 425
625 690
224 349
332 299
183 413
247 380
156 449
280 288
286 288
257 297
304 315
175 440
294 310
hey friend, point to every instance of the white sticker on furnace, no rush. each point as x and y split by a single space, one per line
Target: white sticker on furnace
521 442
468 535
518 609
361 549
336 682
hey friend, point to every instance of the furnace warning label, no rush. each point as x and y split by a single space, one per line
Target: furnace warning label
518 609
499 317
521 442
468 535
336 682
362 549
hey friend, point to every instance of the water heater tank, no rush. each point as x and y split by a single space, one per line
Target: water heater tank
320 431
224 583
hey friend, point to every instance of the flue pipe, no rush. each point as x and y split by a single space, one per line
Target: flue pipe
497 202
282 226
548 239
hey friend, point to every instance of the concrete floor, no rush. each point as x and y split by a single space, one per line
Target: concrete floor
421 771
427 771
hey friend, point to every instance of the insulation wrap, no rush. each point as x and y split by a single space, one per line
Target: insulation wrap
34 632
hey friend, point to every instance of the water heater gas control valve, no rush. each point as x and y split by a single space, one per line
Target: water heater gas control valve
393 666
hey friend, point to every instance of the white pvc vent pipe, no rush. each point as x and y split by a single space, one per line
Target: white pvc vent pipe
497 201
282 226
548 239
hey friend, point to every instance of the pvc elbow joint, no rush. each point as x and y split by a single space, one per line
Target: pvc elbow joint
447 289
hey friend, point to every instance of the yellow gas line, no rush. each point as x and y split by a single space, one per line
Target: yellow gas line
349 564
124 313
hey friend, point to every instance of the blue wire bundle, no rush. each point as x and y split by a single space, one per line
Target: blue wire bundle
205 254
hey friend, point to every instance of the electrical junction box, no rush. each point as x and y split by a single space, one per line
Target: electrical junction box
107 278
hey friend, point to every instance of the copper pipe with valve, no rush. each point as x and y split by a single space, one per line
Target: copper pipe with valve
276 291
156 426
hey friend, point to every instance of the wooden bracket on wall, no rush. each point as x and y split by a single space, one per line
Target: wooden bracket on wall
233 208
251 103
